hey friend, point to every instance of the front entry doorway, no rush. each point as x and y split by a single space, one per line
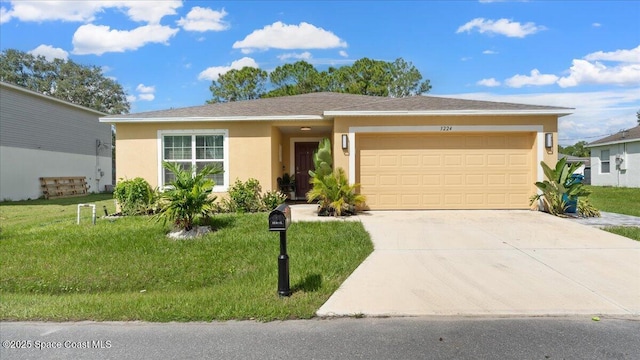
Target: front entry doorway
303 163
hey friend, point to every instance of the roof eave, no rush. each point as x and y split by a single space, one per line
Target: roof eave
51 98
615 142
559 112
207 119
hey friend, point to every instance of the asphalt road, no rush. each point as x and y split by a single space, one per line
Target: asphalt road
338 338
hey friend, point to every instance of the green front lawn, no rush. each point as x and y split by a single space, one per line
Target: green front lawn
53 269
632 232
618 200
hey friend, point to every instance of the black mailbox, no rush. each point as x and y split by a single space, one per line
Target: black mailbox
280 218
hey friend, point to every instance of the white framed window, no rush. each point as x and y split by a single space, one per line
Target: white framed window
605 162
194 148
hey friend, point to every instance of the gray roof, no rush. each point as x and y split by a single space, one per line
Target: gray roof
574 159
629 135
326 104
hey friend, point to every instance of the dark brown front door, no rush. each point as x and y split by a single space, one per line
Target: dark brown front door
304 163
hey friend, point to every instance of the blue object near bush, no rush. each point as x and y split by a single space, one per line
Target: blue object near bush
572 205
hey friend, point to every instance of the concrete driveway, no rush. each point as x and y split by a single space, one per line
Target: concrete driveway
489 263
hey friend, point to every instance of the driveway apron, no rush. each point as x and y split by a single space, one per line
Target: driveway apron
489 263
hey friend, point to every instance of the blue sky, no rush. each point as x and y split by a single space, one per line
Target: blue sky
579 54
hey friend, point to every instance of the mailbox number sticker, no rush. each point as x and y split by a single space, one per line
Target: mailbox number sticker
446 128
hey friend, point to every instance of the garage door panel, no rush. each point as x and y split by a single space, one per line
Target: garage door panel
436 171
496 160
410 160
410 180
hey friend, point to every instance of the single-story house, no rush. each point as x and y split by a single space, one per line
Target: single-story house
616 159
420 152
42 136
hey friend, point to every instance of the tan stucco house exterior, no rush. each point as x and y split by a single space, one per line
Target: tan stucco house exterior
420 152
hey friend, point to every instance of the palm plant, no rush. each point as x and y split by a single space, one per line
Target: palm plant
334 194
559 188
189 197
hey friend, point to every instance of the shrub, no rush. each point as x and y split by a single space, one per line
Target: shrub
334 194
134 196
559 187
271 199
189 197
586 209
245 197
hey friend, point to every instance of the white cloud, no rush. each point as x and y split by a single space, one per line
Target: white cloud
491 82
629 56
148 11
49 52
204 19
595 24
214 72
536 78
299 56
145 93
5 15
85 11
504 27
489 52
283 36
583 72
343 53
146 89
596 113
99 39
146 97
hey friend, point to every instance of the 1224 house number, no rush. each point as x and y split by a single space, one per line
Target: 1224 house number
446 128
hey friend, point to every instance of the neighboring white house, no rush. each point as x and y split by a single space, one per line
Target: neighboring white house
41 136
615 159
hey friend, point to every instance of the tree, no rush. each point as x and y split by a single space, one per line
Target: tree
295 79
365 77
64 79
236 85
638 116
405 80
578 149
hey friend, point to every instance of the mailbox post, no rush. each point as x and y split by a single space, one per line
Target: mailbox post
279 220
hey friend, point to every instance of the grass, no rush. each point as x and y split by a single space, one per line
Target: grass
632 232
127 269
618 200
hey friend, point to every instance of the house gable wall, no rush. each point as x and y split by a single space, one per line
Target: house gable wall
35 122
627 175
46 137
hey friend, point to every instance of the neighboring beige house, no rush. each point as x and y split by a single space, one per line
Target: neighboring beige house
42 136
420 152
616 159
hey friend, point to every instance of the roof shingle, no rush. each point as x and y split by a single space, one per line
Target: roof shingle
632 134
316 104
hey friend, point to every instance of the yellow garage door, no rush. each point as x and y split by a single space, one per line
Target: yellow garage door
446 171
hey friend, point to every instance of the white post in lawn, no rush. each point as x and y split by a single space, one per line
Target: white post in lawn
93 212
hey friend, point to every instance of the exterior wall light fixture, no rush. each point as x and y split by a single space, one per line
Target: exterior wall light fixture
548 140
345 142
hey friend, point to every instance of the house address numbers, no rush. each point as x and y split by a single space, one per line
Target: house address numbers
446 128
